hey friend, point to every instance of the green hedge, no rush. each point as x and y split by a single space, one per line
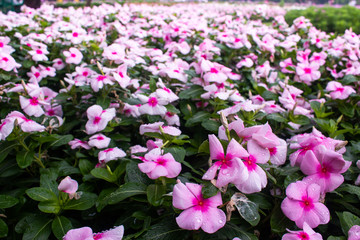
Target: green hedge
329 19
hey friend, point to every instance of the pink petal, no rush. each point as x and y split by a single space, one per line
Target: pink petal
159 171
94 111
236 150
261 154
190 219
114 234
292 209
211 172
309 217
182 197
296 190
216 149
313 192
79 234
195 189
68 185
323 212
147 167
309 163
213 220
215 201
173 168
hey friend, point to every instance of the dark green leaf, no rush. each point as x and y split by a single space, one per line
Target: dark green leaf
193 92
347 220
103 101
278 221
133 174
41 194
24 158
166 230
61 140
208 190
336 238
85 166
197 118
350 189
211 125
86 201
7 201
60 226
38 229
104 174
5 149
155 193
3 229
51 206
125 191
204 147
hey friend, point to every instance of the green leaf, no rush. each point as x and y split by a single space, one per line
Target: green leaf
197 118
49 206
267 95
204 147
347 220
24 158
133 174
264 201
336 238
277 117
7 201
85 166
104 174
103 101
231 231
179 154
124 191
349 79
38 229
208 190
155 193
167 229
61 140
193 92
211 125
41 194
3 229
60 226
5 149
172 108
350 189
347 109
86 201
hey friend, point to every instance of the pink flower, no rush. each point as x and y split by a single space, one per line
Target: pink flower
99 141
302 205
6 128
69 186
155 127
256 175
153 105
110 154
39 54
73 56
354 233
306 234
26 125
77 143
7 62
114 52
97 82
231 168
31 106
338 91
156 165
98 118
308 72
198 211
324 167
86 233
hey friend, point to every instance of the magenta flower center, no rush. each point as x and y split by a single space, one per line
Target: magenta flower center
152 101
85 73
98 236
121 74
37 74
307 70
34 101
114 53
97 120
75 34
108 150
73 55
273 151
100 138
51 112
161 161
39 51
303 236
5 59
250 163
340 89
307 203
100 78
1 44
324 171
214 70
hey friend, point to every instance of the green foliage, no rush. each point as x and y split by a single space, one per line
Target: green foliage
329 19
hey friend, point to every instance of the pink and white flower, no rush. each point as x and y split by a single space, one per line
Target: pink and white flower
73 56
86 233
198 211
98 118
68 186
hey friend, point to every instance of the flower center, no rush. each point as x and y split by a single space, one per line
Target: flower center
214 70
75 34
73 55
272 151
39 51
307 203
307 70
98 236
152 102
97 120
34 101
250 163
303 235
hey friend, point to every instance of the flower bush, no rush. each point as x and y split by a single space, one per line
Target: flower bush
211 121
